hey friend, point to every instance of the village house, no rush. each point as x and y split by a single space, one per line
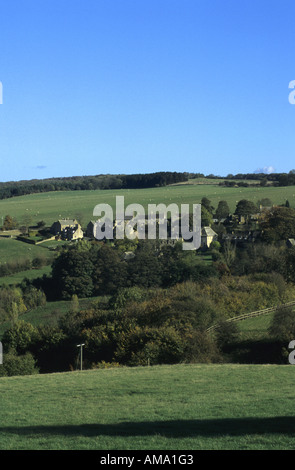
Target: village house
207 237
290 243
67 229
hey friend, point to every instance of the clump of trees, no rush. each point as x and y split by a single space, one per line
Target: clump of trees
22 264
279 224
9 223
15 301
91 269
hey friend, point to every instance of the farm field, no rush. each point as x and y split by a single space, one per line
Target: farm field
11 249
48 314
17 278
255 328
69 204
180 407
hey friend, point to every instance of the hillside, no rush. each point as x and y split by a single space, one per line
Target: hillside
52 206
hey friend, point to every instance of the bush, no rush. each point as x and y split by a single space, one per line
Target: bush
282 327
226 333
162 345
14 364
105 365
200 348
20 336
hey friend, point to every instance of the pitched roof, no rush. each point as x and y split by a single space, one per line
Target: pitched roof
208 232
68 222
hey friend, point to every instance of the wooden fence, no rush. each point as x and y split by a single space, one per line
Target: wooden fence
257 313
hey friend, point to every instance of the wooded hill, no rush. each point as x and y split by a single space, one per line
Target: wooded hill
132 181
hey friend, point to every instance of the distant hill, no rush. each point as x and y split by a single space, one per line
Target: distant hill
133 181
78 183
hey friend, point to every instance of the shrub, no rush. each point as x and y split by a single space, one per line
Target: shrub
14 364
226 333
282 327
105 365
162 345
200 348
20 336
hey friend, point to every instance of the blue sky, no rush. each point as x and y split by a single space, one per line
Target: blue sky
133 86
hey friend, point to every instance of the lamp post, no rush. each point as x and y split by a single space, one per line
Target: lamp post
81 347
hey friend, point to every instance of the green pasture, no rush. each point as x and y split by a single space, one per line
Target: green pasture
70 204
48 314
12 249
180 407
255 329
17 278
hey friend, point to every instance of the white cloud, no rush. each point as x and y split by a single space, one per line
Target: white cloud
266 169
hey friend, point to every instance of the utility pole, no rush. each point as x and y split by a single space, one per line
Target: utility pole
81 359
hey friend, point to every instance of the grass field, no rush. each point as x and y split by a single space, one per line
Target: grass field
255 328
48 314
11 249
179 407
68 204
19 277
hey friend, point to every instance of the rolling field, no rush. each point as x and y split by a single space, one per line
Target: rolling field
68 204
11 249
181 407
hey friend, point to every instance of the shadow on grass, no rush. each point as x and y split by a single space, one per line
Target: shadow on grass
170 429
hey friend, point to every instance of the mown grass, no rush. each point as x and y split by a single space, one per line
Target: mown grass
179 407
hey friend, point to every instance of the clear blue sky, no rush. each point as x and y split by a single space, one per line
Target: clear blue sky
131 86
